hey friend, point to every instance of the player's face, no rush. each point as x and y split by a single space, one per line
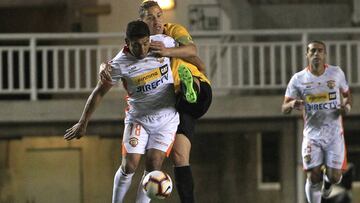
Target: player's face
154 19
316 55
139 47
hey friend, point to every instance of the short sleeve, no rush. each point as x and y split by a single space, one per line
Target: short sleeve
116 74
180 34
169 42
344 86
291 89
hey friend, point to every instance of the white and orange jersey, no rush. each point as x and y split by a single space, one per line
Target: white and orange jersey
148 81
322 96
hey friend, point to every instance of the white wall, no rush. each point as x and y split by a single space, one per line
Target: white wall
123 11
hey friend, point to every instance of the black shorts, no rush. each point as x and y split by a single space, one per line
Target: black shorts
189 112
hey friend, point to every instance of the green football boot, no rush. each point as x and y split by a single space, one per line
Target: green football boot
187 81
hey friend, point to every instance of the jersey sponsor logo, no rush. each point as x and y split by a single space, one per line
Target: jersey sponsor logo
152 79
332 95
331 84
321 106
316 98
132 69
321 101
307 84
321 97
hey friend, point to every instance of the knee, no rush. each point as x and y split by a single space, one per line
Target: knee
180 154
315 177
129 167
335 178
154 162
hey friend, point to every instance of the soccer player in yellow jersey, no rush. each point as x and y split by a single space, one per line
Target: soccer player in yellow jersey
191 85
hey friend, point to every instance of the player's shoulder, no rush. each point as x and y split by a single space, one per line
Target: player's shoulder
121 58
171 26
300 74
333 67
167 40
160 37
175 30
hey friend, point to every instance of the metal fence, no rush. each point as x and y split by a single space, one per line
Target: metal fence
34 64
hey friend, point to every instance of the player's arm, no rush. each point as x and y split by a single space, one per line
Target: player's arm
93 101
290 103
186 52
346 102
182 51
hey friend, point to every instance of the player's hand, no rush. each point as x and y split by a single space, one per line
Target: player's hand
76 131
297 104
344 109
105 72
159 48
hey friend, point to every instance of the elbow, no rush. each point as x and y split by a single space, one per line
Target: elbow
191 51
285 111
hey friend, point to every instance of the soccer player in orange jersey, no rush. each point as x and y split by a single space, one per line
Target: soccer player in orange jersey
194 94
322 93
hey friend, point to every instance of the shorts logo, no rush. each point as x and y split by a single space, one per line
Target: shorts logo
307 158
331 84
133 141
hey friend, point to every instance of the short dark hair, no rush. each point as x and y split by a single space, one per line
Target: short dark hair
316 42
145 6
137 29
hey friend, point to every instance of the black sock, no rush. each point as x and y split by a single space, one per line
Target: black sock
184 184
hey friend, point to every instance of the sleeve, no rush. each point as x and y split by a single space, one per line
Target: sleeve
344 86
291 90
168 41
116 74
181 35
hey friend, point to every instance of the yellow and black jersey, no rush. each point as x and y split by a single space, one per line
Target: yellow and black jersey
182 37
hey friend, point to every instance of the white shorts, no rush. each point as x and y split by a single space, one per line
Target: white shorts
150 132
329 151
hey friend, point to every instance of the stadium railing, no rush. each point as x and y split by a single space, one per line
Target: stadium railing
237 60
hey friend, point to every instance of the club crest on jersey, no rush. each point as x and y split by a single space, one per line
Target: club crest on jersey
331 84
307 158
161 59
133 141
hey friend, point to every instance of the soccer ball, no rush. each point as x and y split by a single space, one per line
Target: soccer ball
157 185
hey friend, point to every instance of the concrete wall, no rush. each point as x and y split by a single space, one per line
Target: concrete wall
301 16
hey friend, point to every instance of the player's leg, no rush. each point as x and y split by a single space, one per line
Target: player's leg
202 105
312 160
154 160
134 142
162 136
123 176
189 84
180 156
313 185
183 175
331 176
335 160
